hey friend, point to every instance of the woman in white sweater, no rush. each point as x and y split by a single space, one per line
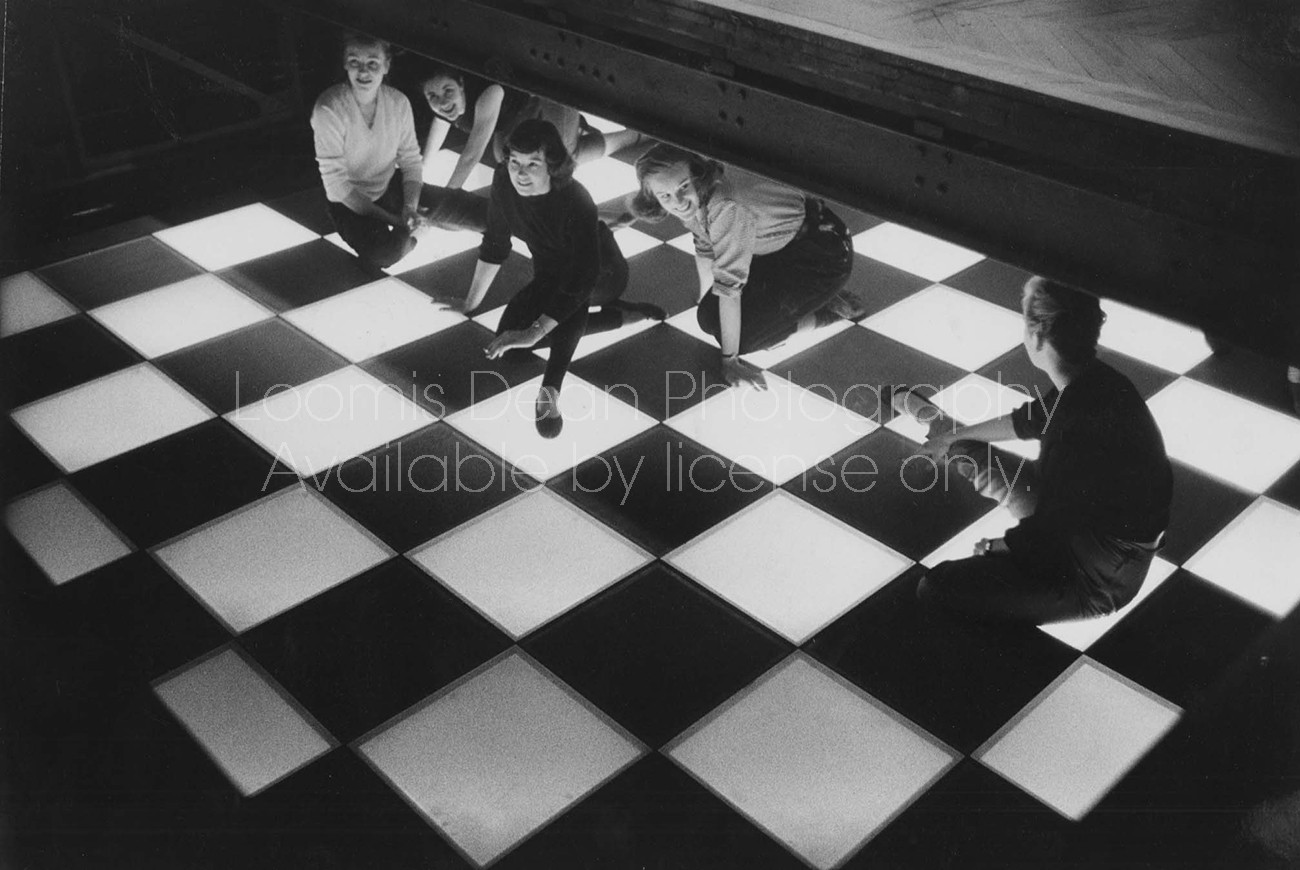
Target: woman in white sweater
370 162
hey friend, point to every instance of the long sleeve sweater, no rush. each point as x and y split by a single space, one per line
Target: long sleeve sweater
354 156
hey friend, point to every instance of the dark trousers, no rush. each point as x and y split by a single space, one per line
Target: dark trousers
788 284
375 241
529 304
1092 575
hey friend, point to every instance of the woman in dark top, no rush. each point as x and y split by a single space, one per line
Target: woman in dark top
576 262
487 112
1093 508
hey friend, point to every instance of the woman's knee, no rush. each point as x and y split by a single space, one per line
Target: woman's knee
388 251
706 316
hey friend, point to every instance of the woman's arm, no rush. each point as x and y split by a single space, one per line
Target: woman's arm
487 111
704 268
997 429
438 131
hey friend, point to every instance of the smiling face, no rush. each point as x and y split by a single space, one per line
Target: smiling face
674 190
529 173
445 96
366 65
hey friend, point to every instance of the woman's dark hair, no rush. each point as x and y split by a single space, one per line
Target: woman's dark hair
356 37
705 175
1069 318
534 134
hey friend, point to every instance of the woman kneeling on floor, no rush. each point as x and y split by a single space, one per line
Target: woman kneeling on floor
1092 509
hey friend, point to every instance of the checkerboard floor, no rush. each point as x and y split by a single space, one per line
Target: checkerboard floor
295 583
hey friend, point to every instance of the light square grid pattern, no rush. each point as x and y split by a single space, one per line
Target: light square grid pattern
235 237
818 764
273 555
606 178
438 169
915 252
1245 444
794 590
243 720
497 755
529 561
1152 339
106 417
370 320
950 325
1266 537
62 533
594 420
26 303
1073 742
973 399
179 315
322 423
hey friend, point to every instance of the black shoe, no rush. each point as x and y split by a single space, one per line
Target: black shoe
549 422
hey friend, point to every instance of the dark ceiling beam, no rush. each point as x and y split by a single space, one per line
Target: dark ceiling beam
1196 229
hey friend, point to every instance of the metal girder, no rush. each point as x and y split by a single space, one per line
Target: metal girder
1198 230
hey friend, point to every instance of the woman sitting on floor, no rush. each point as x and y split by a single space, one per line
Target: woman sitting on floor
576 262
364 131
1092 509
775 259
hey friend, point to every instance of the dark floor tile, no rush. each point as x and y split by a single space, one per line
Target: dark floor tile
971 818
51 358
55 250
307 207
993 282
858 367
413 490
1248 375
118 272
616 651
665 277
879 285
856 220
447 372
883 486
1182 638
1014 369
665 230
452 276
958 679
1201 507
363 652
244 367
23 466
1287 488
170 486
652 816
662 371
301 275
661 489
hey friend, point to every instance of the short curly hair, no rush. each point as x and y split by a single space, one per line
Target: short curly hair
534 134
1067 317
705 175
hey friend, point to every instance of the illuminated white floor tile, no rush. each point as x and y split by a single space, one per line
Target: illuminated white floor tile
370 320
108 416
780 432
498 755
914 252
1083 633
606 178
598 123
950 325
317 425
993 524
797 343
686 321
632 242
438 169
817 763
519 246
270 556
1071 744
62 534
1235 440
26 302
685 242
243 720
1257 557
179 315
432 245
236 236
795 590
530 560
1152 339
973 399
491 319
594 420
